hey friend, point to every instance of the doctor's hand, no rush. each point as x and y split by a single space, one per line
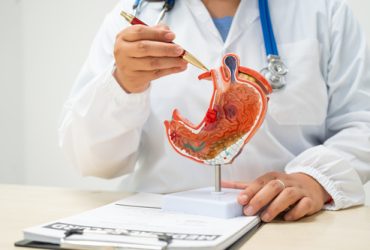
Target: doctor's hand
297 195
143 54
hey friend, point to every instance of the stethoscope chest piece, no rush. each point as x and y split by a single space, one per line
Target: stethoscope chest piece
275 72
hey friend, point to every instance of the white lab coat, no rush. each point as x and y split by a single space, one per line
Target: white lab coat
318 125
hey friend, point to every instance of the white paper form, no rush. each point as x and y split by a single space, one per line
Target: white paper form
142 215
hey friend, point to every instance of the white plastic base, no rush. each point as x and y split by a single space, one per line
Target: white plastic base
206 202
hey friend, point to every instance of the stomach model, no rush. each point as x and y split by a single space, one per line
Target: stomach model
237 109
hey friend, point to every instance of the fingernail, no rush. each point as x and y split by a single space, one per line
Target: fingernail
169 36
266 217
179 50
243 198
249 211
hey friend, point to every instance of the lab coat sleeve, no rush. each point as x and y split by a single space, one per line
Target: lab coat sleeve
101 125
342 163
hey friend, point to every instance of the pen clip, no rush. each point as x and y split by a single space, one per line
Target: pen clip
81 239
101 245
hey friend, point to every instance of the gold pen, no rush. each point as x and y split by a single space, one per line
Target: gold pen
186 55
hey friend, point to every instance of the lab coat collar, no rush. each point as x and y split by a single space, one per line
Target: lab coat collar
247 13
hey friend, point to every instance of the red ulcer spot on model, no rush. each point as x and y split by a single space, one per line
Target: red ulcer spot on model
211 116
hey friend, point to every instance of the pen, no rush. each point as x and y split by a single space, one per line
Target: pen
186 55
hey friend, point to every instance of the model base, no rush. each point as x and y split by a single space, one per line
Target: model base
205 202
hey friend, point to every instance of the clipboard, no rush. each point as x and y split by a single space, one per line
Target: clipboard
99 245
140 224
90 240
35 244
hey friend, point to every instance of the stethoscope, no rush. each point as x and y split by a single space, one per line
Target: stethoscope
275 71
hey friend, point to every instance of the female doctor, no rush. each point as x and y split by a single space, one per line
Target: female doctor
313 150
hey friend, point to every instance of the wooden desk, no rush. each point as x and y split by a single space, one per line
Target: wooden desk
24 206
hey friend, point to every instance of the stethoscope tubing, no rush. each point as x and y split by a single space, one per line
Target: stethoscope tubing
267 29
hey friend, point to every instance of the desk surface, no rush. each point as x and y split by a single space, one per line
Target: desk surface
25 206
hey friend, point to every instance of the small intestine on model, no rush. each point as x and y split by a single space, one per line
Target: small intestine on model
237 109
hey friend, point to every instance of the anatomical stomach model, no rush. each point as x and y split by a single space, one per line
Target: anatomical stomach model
237 109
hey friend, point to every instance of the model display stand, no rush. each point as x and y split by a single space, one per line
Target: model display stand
205 201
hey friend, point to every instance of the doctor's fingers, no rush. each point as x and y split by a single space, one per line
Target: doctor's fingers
147 48
303 208
156 63
288 197
255 186
155 74
263 197
142 32
234 184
